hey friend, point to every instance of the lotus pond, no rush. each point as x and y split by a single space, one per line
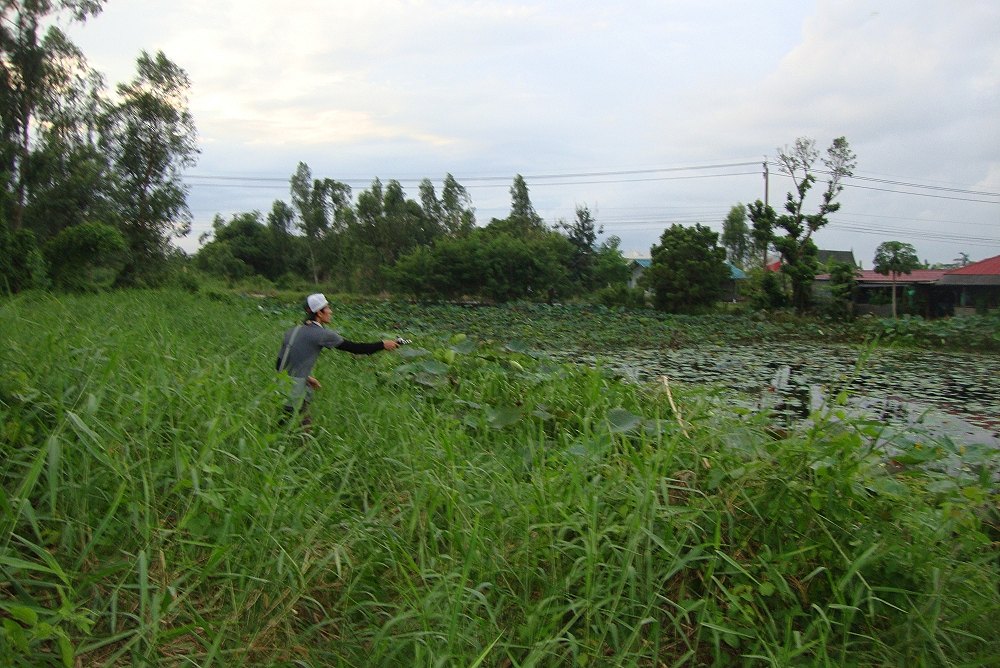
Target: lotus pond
906 394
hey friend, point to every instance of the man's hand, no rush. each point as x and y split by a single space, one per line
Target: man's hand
390 344
313 383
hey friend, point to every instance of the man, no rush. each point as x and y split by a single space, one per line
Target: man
301 346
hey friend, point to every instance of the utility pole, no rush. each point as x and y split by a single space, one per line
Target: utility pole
767 181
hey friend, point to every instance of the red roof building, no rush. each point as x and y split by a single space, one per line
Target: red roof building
974 288
984 272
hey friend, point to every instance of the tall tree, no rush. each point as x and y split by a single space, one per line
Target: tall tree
150 136
431 205
318 203
459 216
688 270
736 236
895 258
41 75
798 251
280 222
523 219
763 218
582 233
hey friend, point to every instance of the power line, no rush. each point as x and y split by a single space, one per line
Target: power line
919 234
503 178
903 192
906 184
841 214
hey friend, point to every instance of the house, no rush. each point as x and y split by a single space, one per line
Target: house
931 293
974 287
638 267
915 292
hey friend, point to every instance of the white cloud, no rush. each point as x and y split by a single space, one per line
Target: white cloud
489 87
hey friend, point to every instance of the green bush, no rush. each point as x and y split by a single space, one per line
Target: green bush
620 294
86 257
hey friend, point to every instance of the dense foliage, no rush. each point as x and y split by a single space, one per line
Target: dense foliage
71 153
688 269
456 503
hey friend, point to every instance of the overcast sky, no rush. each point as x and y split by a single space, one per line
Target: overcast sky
648 112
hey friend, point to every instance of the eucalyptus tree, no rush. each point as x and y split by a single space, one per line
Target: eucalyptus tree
895 258
320 205
429 202
456 204
798 251
523 219
46 88
582 234
149 135
736 236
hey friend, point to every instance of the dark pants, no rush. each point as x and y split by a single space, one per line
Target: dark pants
289 412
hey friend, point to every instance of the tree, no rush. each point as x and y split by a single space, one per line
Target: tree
582 234
798 251
843 283
763 218
459 216
894 258
68 185
280 222
430 204
688 270
150 137
736 236
319 204
610 266
38 74
523 220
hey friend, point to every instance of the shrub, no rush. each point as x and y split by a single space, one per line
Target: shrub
86 257
621 295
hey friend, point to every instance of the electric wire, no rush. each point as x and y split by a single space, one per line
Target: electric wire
658 218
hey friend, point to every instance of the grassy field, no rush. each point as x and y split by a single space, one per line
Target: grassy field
461 502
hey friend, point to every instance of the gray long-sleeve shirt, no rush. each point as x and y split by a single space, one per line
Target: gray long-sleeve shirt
305 349
309 343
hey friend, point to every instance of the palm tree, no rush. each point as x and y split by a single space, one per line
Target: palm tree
895 257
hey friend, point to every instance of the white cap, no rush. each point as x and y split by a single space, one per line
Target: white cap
316 302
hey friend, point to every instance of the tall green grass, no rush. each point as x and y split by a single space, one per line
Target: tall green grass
454 504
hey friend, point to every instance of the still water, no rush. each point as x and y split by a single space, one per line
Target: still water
958 392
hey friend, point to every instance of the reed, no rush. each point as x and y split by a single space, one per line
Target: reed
462 504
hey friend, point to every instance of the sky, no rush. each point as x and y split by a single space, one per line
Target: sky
648 112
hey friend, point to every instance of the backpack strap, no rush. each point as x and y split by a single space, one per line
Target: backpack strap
288 348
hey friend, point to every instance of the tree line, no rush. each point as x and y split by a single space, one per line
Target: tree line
92 195
432 248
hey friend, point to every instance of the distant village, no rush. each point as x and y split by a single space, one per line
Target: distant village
947 290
